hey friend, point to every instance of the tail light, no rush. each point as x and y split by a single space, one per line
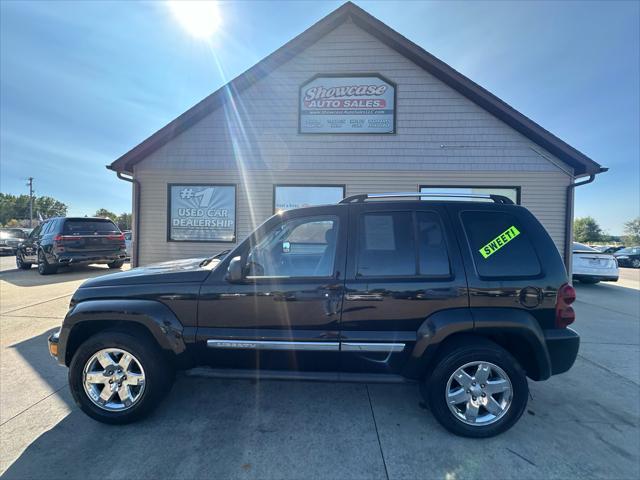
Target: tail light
565 315
116 237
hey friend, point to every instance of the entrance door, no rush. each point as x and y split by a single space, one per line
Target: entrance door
285 312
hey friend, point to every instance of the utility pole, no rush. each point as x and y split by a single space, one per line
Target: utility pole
30 185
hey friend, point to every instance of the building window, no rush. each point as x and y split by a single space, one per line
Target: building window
287 197
512 193
201 213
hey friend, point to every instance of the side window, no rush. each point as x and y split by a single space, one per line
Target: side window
300 247
500 245
386 245
35 233
47 228
433 257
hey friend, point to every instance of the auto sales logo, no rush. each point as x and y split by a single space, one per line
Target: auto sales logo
349 96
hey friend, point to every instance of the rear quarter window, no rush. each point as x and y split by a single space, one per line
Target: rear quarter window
500 245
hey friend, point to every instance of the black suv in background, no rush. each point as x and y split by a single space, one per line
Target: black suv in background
67 241
466 298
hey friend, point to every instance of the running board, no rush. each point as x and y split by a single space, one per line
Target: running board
344 377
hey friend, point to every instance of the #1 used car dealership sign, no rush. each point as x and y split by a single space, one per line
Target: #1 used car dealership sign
347 104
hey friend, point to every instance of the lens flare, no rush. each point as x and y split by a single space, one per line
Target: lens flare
200 18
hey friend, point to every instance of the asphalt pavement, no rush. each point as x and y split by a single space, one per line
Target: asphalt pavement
585 423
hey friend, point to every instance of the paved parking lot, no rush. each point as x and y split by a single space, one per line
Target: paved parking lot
585 423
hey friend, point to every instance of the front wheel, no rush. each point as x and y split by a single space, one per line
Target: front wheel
116 264
635 263
20 263
119 378
477 390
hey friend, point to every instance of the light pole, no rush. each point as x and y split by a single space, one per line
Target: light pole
30 185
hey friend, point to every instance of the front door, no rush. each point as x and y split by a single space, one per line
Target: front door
285 313
403 266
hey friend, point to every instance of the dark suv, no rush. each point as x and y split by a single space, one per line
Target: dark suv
466 298
67 241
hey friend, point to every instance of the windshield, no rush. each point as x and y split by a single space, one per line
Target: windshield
580 247
629 250
12 233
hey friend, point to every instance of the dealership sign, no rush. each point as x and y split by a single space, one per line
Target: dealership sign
202 213
356 104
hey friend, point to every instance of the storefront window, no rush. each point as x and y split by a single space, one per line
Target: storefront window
201 213
512 193
287 197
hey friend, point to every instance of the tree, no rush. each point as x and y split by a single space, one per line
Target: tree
632 232
124 221
586 229
49 207
104 213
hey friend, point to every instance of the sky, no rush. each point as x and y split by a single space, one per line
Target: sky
81 83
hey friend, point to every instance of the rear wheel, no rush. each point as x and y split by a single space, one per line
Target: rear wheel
116 264
43 266
119 378
477 390
20 263
635 263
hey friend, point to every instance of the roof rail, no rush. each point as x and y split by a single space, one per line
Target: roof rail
501 199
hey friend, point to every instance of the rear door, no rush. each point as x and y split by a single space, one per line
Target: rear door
403 265
91 235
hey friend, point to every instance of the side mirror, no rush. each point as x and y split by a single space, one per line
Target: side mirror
234 271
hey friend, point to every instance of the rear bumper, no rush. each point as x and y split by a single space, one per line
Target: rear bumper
594 277
562 345
92 257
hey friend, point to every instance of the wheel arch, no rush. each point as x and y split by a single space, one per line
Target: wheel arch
149 318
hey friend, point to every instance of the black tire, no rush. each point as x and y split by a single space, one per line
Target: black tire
44 268
159 375
116 264
20 263
459 355
635 263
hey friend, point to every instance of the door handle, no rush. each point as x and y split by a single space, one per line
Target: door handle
358 297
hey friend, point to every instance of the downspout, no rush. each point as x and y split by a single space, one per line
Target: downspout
135 238
568 222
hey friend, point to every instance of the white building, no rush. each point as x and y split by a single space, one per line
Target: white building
348 106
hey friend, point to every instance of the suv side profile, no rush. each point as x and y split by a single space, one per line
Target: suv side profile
466 298
64 241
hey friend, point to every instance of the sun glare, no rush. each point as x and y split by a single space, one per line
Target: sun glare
201 18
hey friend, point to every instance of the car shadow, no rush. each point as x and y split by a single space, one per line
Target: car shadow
31 278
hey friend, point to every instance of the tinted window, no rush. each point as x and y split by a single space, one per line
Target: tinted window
500 245
580 247
386 245
89 226
432 247
302 247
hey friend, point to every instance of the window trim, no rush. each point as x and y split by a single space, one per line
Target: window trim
311 185
187 184
417 276
282 278
517 188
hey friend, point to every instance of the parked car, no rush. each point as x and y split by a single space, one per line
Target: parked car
609 248
68 241
10 238
127 242
628 257
467 299
592 266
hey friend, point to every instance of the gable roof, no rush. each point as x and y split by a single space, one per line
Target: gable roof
580 162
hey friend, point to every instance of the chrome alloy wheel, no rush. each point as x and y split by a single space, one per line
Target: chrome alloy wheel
479 393
113 379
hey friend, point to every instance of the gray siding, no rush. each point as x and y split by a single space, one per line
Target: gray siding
442 138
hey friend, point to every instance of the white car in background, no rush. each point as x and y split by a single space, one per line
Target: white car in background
592 266
127 243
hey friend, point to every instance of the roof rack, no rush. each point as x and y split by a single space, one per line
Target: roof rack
361 198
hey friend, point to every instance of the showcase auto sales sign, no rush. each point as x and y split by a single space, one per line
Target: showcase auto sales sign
358 104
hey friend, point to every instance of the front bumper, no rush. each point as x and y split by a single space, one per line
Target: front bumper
562 345
54 340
